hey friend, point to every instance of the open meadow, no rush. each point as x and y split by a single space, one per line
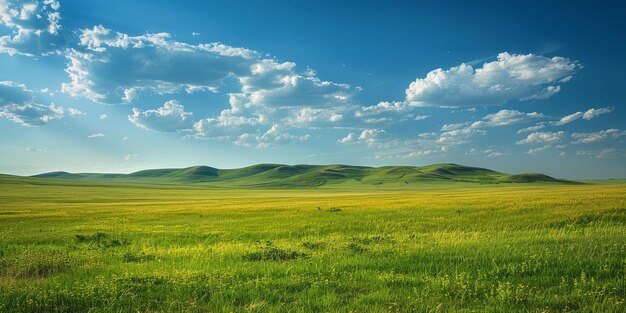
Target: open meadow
68 246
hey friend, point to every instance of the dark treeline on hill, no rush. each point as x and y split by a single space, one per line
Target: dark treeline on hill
279 175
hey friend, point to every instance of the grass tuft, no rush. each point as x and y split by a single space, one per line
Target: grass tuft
270 253
130 257
34 264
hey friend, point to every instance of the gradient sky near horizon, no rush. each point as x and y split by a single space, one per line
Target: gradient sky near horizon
119 86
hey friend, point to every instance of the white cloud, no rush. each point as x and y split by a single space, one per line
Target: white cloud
171 117
35 25
597 136
14 93
308 117
490 153
131 156
592 113
511 77
73 111
461 133
276 85
506 118
31 114
104 116
112 67
385 112
274 135
542 137
35 149
531 128
458 136
384 107
351 137
370 135
454 126
96 135
587 115
422 153
17 104
569 118
598 154
535 151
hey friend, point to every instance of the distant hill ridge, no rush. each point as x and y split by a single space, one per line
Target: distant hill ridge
280 175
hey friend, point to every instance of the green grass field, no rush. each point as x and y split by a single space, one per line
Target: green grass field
76 246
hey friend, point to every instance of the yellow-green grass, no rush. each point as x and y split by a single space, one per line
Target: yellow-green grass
110 247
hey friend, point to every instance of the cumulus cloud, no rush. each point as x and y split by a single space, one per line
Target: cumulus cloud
17 104
373 137
31 114
35 26
597 136
542 137
458 136
274 135
226 125
112 67
171 117
310 117
351 137
273 84
370 135
510 77
587 115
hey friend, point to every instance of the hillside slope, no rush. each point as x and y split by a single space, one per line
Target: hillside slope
280 175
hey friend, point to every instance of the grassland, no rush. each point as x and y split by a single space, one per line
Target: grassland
75 246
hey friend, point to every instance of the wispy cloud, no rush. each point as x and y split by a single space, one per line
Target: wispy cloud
587 115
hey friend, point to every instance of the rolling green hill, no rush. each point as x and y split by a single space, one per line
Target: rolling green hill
280 175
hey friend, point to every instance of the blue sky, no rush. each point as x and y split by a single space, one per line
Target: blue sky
118 86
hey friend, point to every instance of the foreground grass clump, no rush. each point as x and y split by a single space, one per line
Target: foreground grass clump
270 253
110 247
101 240
34 264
